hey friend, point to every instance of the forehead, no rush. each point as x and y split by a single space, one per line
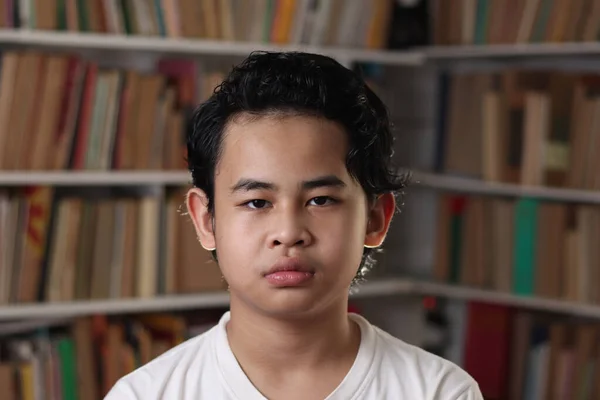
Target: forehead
283 145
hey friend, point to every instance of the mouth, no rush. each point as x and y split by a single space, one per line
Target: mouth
289 272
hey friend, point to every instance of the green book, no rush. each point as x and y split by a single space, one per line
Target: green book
68 368
92 157
61 15
457 206
127 16
83 15
160 18
482 18
268 21
541 22
586 386
524 256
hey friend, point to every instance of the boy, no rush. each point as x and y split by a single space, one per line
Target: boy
293 189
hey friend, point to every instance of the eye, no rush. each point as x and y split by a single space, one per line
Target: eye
321 201
257 204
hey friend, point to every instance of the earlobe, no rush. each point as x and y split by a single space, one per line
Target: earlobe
380 216
197 205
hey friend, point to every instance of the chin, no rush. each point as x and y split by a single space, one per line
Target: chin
287 303
294 302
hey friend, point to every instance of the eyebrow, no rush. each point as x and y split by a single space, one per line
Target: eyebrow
246 184
323 181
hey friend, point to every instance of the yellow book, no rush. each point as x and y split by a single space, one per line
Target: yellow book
26 380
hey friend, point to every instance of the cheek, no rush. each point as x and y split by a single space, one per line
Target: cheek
342 237
237 239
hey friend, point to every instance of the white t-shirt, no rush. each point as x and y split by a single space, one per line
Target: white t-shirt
385 367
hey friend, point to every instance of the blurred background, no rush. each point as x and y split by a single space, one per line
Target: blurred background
493 261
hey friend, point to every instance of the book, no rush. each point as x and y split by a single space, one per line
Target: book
60 247
385 24
522 246
485 22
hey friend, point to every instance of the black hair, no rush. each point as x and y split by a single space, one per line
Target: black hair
299 83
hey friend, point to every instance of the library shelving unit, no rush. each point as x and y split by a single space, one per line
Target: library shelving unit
511 51
24 316
53 313
62 311
188 47
477 187
407 297
419 56
90 178
414 58
420 179
394 302
165 303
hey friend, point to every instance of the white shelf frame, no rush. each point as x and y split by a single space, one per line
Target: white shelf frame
161 303
518 50
570 308
201 47
178 178
113 306
190 47
390 287
94 178
478 187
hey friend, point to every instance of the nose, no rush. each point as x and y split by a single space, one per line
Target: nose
290 230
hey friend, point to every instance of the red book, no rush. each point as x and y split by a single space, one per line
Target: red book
487 348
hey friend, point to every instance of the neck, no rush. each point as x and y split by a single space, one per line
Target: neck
272 343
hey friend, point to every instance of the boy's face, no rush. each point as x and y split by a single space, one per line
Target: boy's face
290 224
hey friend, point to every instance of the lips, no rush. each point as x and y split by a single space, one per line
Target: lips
289 272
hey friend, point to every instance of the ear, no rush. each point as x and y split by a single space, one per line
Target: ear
197 205
380 215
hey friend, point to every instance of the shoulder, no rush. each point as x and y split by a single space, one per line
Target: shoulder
166 373
420 373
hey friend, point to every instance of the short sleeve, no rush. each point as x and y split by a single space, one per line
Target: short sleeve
472 392
121 391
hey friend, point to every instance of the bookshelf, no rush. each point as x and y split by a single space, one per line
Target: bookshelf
497 52
89 178
75 41
60 312
489 296
421 179
418 56
116 306
438 182
475 186
412 96
214 299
